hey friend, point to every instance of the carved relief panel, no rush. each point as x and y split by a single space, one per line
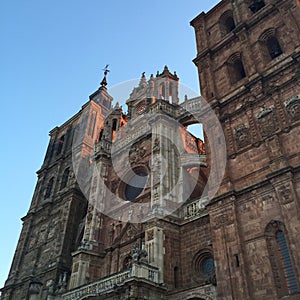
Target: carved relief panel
267 121
242 136
292 106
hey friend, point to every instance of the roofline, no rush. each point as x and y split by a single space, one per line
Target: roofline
209 12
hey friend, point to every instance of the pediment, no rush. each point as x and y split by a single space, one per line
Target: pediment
127 234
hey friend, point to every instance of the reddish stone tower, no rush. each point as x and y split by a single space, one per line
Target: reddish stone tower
248 62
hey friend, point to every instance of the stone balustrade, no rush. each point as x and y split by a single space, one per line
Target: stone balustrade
145 271
138 270
191 105
163 106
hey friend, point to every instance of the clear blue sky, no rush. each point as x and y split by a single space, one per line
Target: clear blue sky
52 53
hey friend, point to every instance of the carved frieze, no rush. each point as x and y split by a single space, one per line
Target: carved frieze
137 153
223 219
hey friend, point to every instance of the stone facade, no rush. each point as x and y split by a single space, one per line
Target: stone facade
248 62
92 233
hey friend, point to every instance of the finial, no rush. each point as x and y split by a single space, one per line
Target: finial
143 81
166 70
104 81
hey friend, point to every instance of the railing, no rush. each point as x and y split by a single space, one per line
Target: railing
109 283
163 106
193 104
190 105
145 271
97 287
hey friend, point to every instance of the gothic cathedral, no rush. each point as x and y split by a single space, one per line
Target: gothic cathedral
131 204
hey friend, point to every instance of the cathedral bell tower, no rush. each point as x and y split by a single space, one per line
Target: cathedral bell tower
248 64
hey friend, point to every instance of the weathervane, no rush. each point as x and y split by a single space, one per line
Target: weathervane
106 71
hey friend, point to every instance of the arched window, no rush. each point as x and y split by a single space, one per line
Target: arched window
65 178
114 124
226 22
270 45
49 187
280 258
229 23
135 185
273 47
60 144
162 91
236 68
176 277
287 263
114 129
100 134
170 91
207 266
204 266
256 5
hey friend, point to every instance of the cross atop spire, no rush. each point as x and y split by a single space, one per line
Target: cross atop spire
104 81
